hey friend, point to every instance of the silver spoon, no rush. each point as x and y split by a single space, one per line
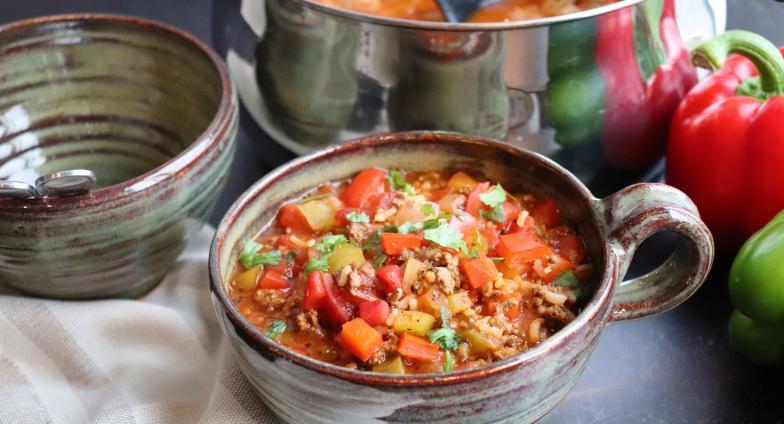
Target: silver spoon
458 10
17 190
66 183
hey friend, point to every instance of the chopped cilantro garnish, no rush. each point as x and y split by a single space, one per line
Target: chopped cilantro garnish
497 214
276 328
251 258
427 209
435 222
357 217
581 291
389 229
494 197
379 260
327 243
408 227
320 263
291 256
371 242
446 236
496 259
566 278
396 180
445 336
409 190
449 362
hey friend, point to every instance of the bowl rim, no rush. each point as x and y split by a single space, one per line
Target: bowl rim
210 137
602 295
465 26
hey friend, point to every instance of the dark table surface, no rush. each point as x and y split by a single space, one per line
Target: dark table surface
672 368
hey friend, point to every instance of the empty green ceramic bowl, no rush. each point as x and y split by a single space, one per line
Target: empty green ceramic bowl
147 107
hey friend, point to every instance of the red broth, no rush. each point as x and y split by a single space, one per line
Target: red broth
503 10
410 273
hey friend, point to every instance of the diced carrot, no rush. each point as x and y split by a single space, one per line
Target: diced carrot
375 312
395 244
545 212
474 203
418 348
513 312
528 245
291 217
360 339
274 280
316 289
363 186
479 271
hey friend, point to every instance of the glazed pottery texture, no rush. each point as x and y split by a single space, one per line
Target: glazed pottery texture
147 107
522 388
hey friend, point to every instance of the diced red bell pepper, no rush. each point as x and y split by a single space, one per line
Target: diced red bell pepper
545 212
515 243
334 307
395 244
479 271
316 290
375 312
418 348
379 201
390 277
273 279
291 217
360 339
474 203
364 185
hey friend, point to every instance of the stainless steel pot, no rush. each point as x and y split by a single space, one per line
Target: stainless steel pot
594 90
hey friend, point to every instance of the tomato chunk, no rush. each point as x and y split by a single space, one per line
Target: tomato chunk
375 312
391 278
395 244
418 348
316 290
515 243
511 210
291 217
545 212
360 339
474 203
274 280
335 308
570 248
365 184
479 271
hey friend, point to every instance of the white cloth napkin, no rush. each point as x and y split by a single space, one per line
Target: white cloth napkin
159 359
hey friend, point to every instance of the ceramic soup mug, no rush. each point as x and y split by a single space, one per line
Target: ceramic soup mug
518 389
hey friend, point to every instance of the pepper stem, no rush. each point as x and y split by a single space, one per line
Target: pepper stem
712 53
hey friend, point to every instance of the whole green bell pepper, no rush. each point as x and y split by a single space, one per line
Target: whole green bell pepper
756 289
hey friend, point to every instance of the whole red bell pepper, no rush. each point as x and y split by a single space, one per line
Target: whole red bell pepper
638 112
726 148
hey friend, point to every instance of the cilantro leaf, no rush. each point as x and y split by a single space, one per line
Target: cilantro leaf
251 258
566 278
446 236
494 197
357 217
379 260
409 190
497 214
396 180
276 328
408 227
445 337
327 243
371 242
427 209
496 259
320 263
449 362
389 229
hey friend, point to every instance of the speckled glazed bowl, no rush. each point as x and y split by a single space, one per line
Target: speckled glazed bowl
519 389
147 107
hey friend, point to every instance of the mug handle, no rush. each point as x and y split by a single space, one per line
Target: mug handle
632 215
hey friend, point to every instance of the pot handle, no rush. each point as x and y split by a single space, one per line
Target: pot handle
632 215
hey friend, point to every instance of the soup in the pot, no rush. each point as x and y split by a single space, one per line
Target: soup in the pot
497 11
